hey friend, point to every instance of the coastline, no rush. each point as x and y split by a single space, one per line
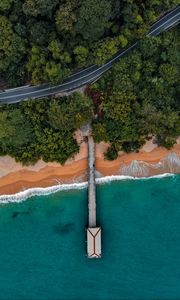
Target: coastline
37 191
149 161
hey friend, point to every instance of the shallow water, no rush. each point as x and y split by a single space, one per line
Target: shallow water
42 244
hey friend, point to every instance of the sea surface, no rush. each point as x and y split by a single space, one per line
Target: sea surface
43 244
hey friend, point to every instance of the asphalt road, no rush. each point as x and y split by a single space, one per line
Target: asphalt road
89 74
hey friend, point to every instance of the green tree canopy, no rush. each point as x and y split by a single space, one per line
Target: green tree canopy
66 17
140 97
15 130
71 113
12 47
5 4
93 19
39 7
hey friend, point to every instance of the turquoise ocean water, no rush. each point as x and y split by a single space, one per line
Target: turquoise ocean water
42 244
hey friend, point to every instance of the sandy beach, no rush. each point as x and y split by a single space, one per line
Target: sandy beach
150 160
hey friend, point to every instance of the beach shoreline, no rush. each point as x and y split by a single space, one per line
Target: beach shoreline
149 161
39 191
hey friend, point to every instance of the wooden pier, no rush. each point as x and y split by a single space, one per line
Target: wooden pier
91 183
93 232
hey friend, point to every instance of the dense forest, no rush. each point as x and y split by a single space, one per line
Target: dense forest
43 128
139 97
45 40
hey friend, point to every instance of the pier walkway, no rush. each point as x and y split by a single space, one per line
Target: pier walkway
93 232
92 184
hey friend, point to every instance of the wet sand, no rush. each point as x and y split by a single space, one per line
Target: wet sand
151 160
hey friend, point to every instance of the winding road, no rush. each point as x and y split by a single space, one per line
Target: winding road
89 74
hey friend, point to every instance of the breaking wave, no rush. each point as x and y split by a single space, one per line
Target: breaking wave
26 194
169 164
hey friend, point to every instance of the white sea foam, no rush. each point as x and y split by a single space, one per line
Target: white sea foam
26 194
